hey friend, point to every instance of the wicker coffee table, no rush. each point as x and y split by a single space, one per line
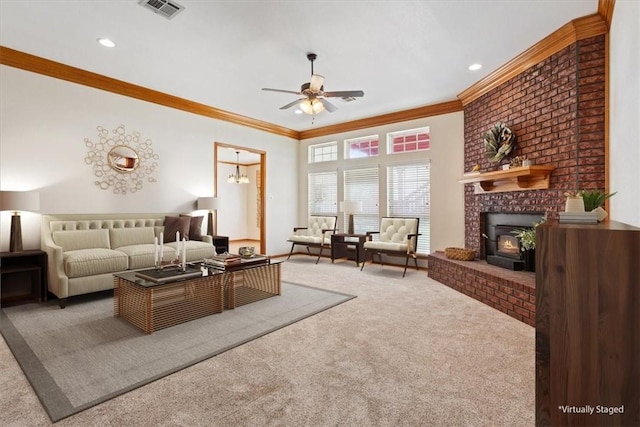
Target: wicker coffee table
151 305
250 280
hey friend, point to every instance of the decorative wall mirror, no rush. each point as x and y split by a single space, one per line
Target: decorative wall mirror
123 159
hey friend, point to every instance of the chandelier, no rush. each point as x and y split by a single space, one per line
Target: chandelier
237 178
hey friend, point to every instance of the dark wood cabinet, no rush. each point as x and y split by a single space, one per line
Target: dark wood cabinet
23 277
587 325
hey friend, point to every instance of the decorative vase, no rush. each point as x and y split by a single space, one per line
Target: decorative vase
600 213
574 204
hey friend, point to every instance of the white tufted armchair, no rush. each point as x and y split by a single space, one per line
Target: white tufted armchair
316 234
397 236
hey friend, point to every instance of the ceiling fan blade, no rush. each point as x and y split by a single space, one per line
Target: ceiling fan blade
327 105
291 104
281 90
316 83
344 93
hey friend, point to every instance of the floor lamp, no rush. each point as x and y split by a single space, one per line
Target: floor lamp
211 204
18 201
350 207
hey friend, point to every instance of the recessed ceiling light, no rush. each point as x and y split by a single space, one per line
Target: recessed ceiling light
474 67
298 111
106 42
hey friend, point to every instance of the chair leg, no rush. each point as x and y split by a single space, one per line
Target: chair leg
291 251
320 254
364 261
406 263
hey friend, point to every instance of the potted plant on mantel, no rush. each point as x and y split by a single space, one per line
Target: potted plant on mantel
588 201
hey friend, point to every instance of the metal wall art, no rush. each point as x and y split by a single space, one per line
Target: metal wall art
121 162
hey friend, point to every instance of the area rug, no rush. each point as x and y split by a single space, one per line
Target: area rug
81 356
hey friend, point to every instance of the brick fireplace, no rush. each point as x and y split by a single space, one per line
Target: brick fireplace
557 110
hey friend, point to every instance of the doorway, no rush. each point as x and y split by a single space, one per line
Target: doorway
241 215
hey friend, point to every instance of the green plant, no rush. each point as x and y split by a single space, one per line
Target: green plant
527 236
594 198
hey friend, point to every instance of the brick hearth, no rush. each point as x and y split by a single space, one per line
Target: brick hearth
512 292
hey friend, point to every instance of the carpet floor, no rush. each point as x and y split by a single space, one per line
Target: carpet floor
81 356
408 352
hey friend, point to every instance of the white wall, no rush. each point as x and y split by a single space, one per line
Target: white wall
447 164
45 122
624 120
237 215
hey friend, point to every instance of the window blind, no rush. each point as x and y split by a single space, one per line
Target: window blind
361 185
323 193
408 188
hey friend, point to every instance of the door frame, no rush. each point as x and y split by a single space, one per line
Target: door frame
262 190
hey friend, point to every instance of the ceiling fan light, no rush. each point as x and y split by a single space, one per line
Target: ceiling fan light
318 107
306 107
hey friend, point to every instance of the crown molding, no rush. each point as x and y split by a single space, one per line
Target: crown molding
385 119
36 64
578 29
605 10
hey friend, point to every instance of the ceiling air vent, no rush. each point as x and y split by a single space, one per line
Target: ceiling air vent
166 8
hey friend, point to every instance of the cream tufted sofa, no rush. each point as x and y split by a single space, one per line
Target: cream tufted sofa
316 234
397 236
85 250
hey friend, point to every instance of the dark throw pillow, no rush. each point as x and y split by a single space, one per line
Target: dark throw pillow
195 227
173 224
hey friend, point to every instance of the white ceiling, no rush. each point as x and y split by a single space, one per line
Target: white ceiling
402 54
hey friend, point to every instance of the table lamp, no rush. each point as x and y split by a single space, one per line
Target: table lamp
350 207
211 204
18 201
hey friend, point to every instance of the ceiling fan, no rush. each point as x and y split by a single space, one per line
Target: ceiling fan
314 100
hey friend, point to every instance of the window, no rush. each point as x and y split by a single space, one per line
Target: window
361 147
323 152
361 185
407 141
323 193
408 188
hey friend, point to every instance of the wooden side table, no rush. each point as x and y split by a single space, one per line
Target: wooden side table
23 277
350 246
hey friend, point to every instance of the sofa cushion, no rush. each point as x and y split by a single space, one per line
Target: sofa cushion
196 251
141 256
82 239
385 246
173 224
195 227
87 262
131 236
309 239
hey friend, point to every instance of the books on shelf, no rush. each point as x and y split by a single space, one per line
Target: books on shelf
578 217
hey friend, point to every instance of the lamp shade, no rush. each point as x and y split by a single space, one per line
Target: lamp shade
350 206
210 203
20 201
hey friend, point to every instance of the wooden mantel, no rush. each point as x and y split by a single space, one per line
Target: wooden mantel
514 179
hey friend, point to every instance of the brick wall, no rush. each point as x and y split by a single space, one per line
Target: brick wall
556 109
